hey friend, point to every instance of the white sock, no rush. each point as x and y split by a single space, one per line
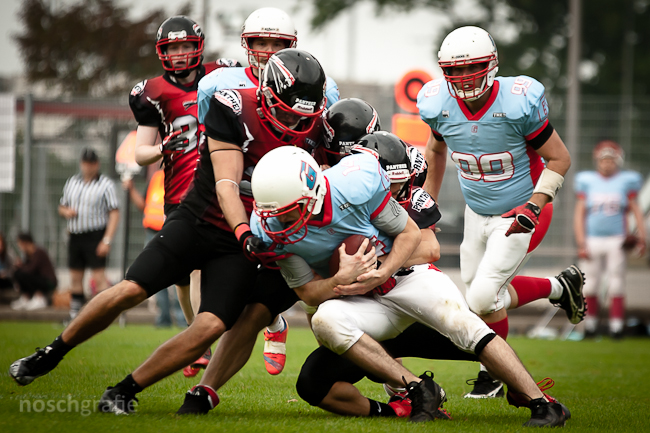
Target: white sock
278 324
591 323
616 325
483 368
556 288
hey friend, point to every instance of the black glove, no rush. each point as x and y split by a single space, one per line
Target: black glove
254 248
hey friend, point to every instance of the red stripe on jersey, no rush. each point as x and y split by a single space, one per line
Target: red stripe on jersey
536 164
486 107
544 219
251 76
381 206
536 133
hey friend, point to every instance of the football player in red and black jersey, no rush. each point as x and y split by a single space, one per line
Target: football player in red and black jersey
208 231
165 106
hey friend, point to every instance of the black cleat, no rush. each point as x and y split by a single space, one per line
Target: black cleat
117 400
199 400
572 301
426 398
545 414
25 370
485 387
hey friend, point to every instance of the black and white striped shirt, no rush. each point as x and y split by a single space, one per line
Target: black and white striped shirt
92 200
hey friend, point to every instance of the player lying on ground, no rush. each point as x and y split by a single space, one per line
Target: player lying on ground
205 231
305 212
265 31
496 130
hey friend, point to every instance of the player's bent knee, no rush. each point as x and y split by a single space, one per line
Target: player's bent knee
481 302
208 326
310 388
334 329
126 294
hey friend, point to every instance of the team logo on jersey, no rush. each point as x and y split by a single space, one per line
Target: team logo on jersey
445 113
498 114
138 88
188 104
231 99
345 205
474 129
421 200
331 231
308 175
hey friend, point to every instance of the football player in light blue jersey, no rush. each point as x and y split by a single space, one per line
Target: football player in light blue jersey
605 197
496 131
303 214
265 31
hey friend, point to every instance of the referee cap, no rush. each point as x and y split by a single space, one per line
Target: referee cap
89 155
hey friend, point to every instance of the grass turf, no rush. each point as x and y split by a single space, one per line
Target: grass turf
603 383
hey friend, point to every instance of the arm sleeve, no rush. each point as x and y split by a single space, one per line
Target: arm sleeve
203 99
65 200
111 197
143 110
536 128
221 124
295 271
391 219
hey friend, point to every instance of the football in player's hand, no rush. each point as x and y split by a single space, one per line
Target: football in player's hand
352 245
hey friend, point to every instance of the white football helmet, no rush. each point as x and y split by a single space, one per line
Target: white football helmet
465 46
267 23
284 179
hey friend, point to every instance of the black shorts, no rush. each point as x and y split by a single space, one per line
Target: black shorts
323 368
82 251
168 209
229 281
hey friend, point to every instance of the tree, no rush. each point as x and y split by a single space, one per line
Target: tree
88 48
539 47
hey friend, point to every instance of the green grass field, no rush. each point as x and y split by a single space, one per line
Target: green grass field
603 383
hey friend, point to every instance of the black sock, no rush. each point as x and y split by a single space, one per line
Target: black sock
378 408
59 347
130 384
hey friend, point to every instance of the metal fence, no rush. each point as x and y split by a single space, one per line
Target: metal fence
60 129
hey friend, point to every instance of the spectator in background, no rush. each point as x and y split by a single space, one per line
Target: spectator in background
605 196
153 220
6 269
35 277
89 203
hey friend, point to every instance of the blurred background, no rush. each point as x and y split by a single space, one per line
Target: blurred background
67 67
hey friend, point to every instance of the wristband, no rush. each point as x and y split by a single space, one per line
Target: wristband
549 183
240 229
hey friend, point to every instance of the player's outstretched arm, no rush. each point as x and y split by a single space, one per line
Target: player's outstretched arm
436 156
146 151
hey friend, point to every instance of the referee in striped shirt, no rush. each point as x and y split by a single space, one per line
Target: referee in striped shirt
89 203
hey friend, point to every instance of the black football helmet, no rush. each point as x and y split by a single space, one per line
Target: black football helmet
292 94
180 29
393 157
344 123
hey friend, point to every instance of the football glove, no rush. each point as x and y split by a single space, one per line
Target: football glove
526 218
173 144
254 248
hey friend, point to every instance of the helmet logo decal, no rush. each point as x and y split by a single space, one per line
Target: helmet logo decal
177 35
373 122
309 175
197 30
286 80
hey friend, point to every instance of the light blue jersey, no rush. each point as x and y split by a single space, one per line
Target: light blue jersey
241 78
607 199
497 167
358 189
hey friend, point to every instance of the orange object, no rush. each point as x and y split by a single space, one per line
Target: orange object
407 89
410 128
154 206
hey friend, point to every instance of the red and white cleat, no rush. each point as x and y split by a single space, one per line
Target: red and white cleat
194 368
275 349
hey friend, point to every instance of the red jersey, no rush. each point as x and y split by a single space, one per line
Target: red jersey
232 118
165 104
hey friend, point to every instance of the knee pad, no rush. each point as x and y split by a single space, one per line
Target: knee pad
313 382
334 328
